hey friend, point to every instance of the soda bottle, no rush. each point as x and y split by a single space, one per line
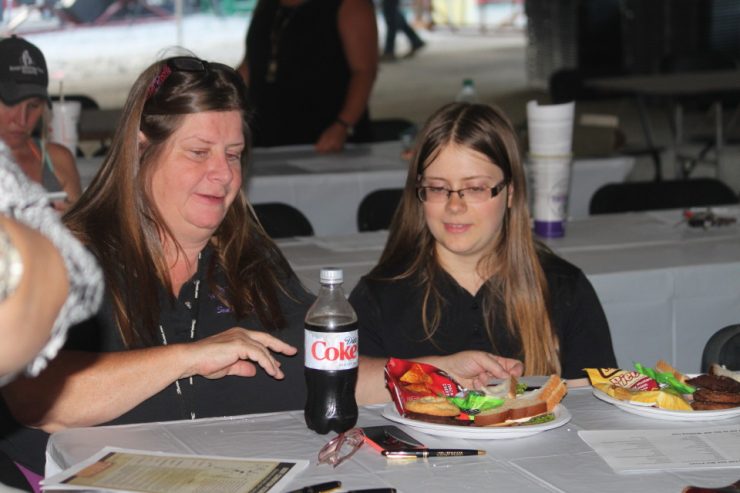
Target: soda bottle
467 93
331 357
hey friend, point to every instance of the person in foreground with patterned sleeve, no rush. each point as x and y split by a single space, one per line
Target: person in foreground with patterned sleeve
48 281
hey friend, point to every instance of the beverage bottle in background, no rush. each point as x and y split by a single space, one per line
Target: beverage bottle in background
331 357
467 93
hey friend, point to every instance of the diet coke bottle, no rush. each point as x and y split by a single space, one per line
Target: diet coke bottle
331 358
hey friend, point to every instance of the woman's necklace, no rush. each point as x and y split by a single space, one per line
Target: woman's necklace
185 398
282 18
34 165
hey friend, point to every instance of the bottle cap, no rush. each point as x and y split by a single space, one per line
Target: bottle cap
331 275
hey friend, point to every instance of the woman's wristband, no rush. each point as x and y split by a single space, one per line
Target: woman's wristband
349 128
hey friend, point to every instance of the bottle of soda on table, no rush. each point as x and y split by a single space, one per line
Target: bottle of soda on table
331 357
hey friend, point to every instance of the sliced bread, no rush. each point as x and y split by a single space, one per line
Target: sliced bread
664 367
721 371
542 400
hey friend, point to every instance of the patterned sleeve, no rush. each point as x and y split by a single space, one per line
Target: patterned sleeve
25 202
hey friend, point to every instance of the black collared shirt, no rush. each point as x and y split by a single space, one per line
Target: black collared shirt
390 320
230 395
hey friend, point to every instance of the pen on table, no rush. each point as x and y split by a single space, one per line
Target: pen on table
430 452
318 488
374 490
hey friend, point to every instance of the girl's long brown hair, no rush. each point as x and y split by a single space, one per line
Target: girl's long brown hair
117 219
516 282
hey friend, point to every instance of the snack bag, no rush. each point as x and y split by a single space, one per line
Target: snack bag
641 386
630 380
409 380
662 398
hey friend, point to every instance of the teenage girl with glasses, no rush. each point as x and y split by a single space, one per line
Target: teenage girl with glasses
461 283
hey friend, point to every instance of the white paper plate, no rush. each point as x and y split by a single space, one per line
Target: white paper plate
562 416
657 413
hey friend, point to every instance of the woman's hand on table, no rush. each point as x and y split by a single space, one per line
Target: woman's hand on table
332 139
236 351
474 369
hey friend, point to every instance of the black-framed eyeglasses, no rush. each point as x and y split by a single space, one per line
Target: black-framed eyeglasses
438 195
182 64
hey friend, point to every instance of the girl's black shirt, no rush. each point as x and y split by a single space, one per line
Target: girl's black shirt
390 319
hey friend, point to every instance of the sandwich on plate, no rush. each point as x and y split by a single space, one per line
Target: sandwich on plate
425 393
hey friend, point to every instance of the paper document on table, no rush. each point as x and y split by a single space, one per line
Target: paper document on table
706 447
123 470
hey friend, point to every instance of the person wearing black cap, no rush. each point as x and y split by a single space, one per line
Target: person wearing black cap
23 96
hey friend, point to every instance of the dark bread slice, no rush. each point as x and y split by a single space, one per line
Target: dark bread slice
705 395
711 406
714 382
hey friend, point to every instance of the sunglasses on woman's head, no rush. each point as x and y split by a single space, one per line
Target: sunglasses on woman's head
182 64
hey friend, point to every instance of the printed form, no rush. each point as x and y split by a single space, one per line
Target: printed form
666 450
123 470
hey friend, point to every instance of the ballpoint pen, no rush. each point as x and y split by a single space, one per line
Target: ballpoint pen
318 488
430 452
374 490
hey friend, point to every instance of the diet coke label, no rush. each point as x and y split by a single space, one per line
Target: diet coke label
331 350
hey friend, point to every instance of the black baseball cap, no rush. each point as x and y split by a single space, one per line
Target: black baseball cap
23 72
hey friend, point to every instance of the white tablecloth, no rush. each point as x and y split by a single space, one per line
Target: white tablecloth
328 189
552 461
665 287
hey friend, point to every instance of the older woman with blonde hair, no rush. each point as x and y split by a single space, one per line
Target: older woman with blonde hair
461 281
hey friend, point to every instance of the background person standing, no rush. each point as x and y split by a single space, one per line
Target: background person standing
395 20
310 66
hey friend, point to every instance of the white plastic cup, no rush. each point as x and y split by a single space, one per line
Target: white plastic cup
549 179
550 128
64 120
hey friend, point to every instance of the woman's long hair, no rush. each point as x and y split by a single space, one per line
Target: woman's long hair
515 280
118 220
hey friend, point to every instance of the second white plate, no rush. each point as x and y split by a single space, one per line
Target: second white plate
657 413
562 416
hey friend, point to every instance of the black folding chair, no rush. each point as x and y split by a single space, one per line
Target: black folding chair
282 220
377 208
723 348
667 194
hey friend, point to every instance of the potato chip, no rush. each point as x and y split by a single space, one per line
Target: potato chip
417 387
416 374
